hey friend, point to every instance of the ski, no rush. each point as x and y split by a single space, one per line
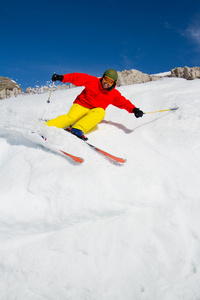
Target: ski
115 158
57 150
106 154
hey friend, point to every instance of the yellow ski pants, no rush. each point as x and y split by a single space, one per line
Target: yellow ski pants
83 118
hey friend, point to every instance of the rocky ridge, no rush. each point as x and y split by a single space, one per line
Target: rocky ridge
133 77
10 88
187 73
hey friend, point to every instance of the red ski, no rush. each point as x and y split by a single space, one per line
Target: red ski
115 158
54 149
108 155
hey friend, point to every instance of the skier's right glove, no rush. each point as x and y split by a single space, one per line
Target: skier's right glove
137 112
56 77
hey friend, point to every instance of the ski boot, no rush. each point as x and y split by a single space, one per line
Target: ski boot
77 132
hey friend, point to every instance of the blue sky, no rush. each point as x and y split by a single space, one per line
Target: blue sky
39 38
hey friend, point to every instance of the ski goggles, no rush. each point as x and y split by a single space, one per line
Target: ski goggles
108 80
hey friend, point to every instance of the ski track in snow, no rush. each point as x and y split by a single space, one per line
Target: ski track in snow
99 230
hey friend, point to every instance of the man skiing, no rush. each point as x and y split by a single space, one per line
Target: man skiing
89 107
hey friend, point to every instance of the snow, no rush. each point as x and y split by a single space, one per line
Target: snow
99 230
162 74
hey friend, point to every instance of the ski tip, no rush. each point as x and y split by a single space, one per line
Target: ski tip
121 160
77 159
73 157
81 160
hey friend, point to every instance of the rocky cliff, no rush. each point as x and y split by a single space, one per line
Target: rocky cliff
133 76
187 73
9 88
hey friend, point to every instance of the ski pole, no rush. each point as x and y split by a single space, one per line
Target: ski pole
151 112
48 101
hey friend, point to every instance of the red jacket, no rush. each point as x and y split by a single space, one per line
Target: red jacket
94 95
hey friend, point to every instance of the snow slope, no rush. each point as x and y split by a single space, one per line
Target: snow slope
99 230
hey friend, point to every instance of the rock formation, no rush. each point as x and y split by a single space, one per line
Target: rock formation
133 76
187 73
9 88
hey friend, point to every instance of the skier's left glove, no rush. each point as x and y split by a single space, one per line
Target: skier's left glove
56 77
137 112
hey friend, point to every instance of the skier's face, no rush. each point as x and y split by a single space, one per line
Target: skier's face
107 82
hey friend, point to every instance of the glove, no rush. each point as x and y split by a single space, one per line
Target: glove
56 77
137 112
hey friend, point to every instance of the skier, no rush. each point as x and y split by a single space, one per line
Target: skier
89 107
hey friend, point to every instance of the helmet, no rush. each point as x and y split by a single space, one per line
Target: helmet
111 73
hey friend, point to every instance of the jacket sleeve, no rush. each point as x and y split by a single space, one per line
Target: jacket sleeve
78 79
123 103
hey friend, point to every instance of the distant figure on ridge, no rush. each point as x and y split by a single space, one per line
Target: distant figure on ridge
89 107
